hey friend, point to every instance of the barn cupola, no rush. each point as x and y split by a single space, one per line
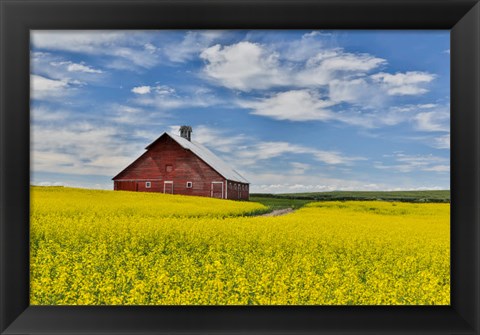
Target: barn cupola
186 132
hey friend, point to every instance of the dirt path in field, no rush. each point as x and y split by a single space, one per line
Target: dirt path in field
278 212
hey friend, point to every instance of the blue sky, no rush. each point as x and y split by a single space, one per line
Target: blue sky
292 111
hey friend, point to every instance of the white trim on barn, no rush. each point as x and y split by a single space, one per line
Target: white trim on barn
226 189
211 188
165 184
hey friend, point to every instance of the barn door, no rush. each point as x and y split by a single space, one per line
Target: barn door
127 186
217 189
168 187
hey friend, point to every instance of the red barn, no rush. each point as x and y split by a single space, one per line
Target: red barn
176 165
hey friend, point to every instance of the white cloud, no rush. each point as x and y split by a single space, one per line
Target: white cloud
45 89
40 83
433 121
129 115
90 42
81 148
129 50
356 91
309 105
54 67
217 139
163 89
298 105
303 49
438 168
350 62
165 98
333 157
317 83
43 114
335 64
413 163
243 66
272 149
76 67
127 109
442 142
247 66
407 83
150 48
141 89
192 44
296 183
397 114
63 144
427 106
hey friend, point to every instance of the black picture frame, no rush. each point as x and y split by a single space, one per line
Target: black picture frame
17 17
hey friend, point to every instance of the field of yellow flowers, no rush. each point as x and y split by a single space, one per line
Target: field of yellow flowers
124 248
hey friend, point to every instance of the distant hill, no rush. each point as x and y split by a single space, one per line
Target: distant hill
404 196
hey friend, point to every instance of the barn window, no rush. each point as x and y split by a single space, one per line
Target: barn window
148 184
189 184
168 168
235 187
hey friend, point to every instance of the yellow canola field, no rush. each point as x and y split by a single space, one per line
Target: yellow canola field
123 248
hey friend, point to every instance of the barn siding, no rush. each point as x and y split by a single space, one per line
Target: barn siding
151 166
237 191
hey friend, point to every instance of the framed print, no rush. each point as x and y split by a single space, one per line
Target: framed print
272 116
265 106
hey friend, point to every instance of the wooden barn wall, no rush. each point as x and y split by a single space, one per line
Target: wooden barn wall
186 167
237 191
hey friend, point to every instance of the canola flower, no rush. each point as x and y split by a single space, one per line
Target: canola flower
124 248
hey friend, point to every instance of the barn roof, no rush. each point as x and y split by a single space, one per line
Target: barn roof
208 157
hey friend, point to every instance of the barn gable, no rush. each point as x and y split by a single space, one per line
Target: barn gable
136 162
